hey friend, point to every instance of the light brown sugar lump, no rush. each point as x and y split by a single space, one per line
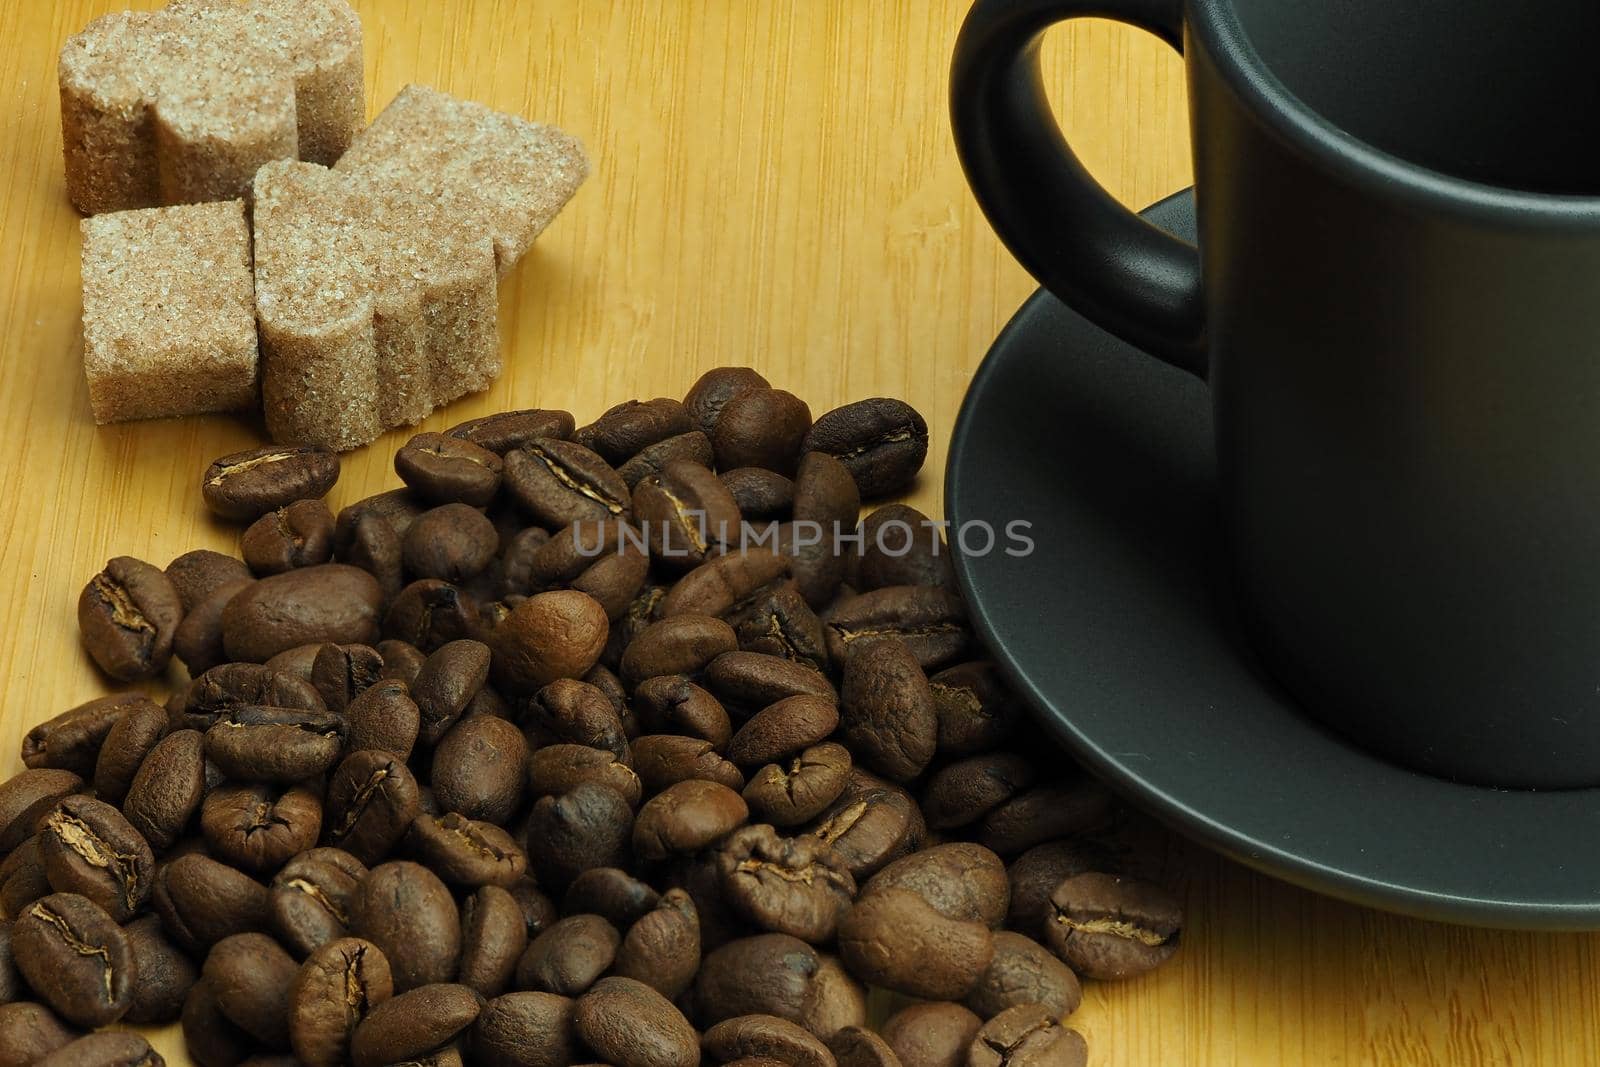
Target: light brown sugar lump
168 312
183 104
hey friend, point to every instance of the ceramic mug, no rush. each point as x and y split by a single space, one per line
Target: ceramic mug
1395 300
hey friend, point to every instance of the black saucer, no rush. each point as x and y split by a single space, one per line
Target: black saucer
1119 629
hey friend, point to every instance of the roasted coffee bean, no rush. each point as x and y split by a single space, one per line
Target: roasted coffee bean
258 828
761 428
557 769
127 616
894 938
765 1037
402 661
446 684
297 535
1023 971
631 1025
687 515
537 909
198 638
781 623
693 446
76 958
72 740
575 712
664 760
342 673
871 824
88 848
372 798
570 956
165 974
1108 926
414 1024
520 554
493 938
560 482
406 911
29 1032
961 793
383 717
375 547
1035 874
933 1034
958 879
311 896
527 1029
607 559
430 613
642 610
141 725
506 430
826 503
449 470
245 485
662 948
452 542
398 507
1052 809
330 602
590 826
759 493
279 745
899 545
673 703
201 901
725 586
750 681
683 644
712 391
337 987
974 709
627 428
775 974
931 621
479 768
685 818
611 893
882 442
887 709
166 791
210 1039
22 879
238 685
799 789
250 976
553 635
856 1046
1027 1035
783 729
110 1049
198 574
786 885
466 852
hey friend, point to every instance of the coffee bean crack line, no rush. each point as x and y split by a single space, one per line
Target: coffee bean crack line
568 479
124 612
253 462
314 891
95 851
1116 928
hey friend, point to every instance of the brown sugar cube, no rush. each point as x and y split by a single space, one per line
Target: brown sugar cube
168 312
376 281
183 104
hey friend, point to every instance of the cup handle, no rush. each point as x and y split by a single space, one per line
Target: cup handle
1128 276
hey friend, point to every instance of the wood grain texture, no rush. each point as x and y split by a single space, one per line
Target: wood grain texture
774 185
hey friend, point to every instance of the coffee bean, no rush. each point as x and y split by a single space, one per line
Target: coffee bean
672 703
341 673
402 661
871 824
577 713
507 430
894 938
339 985
560 482
250 976
1027 1035
685 818
127 616
371 800
237 685
694 446
1108 926
687 515
258 828
933 1033
166 791
198 574
29 1032
961 793
800 789
212 1040
311 897
76 958
296 535
761 428
570 956
826 503
527 1029
430 613
406 911
1052 809
22 879
631 1025
899 545
958 879
141 725
201 902
414 1024
493 938
1023 971
611 893
452 542
882 442
165 974
712 391
664 760
538 910
606 559
751 681
373 545
278 745
447 470
759 493
974 708
781 623
331 602
783 729
88 848
887 709
725 586
245 485
105 1050
1035 874
383 717
479 768
786 885
775 974
931 621
72 740
552 635
662 947
765 1037
590 826
446 684
856 1046
683 644
557 769
198 638
627 428
466 852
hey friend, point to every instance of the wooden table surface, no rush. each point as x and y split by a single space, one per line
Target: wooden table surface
774 184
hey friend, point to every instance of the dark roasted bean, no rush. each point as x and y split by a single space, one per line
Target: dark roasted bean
76 958
245 485
881 441
128 615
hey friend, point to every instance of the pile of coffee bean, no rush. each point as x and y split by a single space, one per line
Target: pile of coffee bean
582 747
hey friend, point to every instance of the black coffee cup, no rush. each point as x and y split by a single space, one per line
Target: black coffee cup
1396 302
